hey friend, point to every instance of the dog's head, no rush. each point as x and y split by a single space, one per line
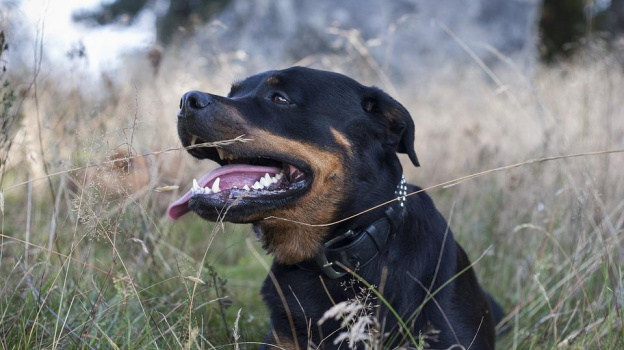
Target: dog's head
321 147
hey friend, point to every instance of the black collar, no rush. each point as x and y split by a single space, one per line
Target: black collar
355 249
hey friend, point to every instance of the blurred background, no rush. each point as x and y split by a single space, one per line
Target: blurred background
90 159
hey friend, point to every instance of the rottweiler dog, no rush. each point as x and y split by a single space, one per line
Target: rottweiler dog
322 152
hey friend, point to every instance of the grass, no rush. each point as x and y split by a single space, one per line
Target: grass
88 258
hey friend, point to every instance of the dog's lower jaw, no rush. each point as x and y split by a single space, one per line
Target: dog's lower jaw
290 243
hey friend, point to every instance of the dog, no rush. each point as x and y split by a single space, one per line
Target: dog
323 152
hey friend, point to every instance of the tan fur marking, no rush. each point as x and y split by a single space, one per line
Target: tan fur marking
281 340
229 123
272 80
289 242
341 139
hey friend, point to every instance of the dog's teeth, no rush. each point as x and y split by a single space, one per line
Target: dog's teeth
215 185
273 180
207 190
279 176
257 186
223 154
246 188
264 182
193 140
195 185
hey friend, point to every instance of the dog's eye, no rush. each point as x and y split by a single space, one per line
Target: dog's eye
279 99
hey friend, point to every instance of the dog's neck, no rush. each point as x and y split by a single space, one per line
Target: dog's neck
357 247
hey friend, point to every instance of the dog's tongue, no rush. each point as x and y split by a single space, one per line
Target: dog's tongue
237 175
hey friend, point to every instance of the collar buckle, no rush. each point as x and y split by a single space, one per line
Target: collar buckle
327 266
337 244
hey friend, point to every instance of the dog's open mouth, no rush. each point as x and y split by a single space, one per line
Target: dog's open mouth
241 181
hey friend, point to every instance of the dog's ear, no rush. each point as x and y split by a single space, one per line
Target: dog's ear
400 126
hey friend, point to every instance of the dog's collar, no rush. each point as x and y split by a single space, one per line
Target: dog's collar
356 248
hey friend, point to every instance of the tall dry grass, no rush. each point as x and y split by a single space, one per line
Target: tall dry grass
89 259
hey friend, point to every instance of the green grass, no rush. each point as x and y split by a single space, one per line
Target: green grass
129 297
88 258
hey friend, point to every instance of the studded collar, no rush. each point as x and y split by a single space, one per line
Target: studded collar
356 248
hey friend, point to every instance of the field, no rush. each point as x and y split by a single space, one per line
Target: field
88 258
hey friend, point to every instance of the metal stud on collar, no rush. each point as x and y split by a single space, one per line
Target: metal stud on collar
401 191
365 244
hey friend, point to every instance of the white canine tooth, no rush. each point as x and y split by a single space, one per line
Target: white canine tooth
223 154
195 185
268 180
215 185
263 182
246 188
193 139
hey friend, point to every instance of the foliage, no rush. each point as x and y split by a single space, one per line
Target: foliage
180 14
9 108
96 263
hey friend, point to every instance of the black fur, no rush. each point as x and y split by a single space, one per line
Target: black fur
421 258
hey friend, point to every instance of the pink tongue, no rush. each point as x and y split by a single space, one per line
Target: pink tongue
237 175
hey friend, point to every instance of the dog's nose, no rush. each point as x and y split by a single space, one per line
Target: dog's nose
194 100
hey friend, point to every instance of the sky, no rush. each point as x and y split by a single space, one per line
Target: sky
103 44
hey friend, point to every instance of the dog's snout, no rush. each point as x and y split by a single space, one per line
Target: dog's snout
195 100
